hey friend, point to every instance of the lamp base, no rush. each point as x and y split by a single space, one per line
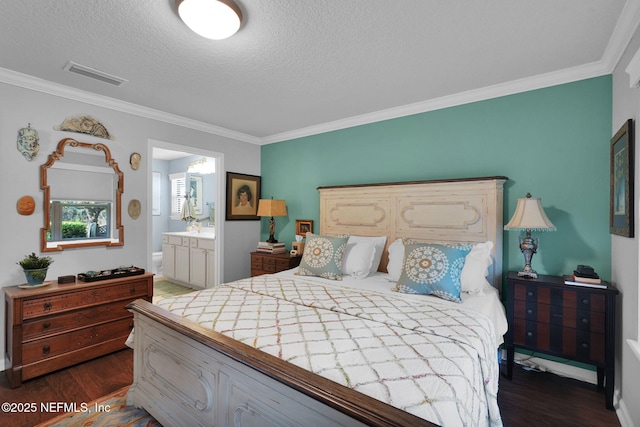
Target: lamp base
530 274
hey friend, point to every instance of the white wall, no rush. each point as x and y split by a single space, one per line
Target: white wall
624 255
19 177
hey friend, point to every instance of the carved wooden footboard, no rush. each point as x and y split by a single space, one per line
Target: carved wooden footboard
186 375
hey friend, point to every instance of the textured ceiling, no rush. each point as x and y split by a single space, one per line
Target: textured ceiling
297 65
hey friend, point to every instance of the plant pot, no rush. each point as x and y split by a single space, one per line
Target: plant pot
35 276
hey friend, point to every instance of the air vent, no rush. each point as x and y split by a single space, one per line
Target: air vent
94 74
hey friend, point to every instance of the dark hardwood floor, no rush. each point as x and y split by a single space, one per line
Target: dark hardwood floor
530 399
80 383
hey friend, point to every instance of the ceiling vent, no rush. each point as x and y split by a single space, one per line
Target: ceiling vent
94 74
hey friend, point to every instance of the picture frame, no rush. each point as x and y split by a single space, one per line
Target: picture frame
243 193
304 226
621 182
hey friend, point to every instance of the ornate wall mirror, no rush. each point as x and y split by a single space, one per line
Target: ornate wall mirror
83 188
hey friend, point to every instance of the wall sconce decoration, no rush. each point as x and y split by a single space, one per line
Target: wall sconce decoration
134 161
134 208
84 124
28 142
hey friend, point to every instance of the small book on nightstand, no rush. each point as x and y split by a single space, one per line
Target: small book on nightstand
574 280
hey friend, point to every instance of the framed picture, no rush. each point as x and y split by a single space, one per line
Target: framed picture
621 195
243 193
196 193
304 226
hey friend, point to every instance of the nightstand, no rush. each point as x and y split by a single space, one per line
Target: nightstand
571 322
265 263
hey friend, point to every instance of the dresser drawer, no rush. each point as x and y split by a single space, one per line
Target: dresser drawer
32 329
46 305
60 344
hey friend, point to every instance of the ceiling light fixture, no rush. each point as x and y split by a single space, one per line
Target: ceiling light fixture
212 19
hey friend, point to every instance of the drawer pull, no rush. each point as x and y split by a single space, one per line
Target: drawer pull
45 350
529 293
584 321
529 334
130 325
132 289
46 325
584 345
585 301
529 311
47 306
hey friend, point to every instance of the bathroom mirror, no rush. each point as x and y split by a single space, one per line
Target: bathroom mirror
83 188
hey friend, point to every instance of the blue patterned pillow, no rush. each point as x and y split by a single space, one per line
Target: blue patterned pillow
431 269
322 256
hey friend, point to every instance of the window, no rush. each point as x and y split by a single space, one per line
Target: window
79 220
178 193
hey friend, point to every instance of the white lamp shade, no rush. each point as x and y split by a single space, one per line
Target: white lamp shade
529 215
212 19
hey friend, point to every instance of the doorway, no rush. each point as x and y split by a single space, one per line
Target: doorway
167 158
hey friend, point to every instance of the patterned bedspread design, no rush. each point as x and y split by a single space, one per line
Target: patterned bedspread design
433 360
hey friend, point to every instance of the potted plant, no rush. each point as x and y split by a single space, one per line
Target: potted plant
35 268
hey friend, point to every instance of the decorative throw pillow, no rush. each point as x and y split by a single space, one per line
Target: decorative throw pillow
476 268
430 269
358 258
362 255
322 256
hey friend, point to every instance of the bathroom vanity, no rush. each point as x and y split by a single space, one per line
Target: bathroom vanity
188 258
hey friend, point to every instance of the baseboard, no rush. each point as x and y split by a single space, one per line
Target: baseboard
621 410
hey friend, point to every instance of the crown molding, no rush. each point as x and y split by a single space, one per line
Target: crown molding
568 75
33 83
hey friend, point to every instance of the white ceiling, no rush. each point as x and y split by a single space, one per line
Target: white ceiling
298 67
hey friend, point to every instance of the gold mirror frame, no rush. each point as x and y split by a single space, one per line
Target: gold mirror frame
57 155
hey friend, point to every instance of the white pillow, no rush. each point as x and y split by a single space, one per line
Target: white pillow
473 275
378 246
358 258
476 268
396 256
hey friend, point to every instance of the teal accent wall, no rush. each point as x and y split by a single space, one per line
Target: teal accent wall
552 142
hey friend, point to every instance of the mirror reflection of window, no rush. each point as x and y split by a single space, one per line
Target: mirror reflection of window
82 191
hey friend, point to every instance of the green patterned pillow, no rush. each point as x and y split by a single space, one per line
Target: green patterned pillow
431 269
322 256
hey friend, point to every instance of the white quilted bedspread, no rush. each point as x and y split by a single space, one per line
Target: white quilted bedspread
432 360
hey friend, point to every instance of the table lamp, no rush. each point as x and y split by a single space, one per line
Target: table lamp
272 208
528 216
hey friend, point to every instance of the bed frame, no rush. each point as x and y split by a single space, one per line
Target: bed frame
186 375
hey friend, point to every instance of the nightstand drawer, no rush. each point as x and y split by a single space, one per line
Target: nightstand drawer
585 320
581 345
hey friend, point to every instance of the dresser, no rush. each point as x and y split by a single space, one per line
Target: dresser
265 263
571 322
52 327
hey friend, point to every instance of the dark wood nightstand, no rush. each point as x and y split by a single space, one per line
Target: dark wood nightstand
572 322
265 263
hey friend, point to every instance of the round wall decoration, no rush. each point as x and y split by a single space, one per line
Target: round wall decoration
26 205
135 207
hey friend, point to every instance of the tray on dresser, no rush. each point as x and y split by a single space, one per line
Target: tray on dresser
94 276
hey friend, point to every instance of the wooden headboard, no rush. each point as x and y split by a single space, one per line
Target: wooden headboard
453 211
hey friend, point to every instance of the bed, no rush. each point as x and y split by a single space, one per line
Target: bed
234 355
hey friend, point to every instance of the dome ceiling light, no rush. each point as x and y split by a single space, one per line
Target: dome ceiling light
212 19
